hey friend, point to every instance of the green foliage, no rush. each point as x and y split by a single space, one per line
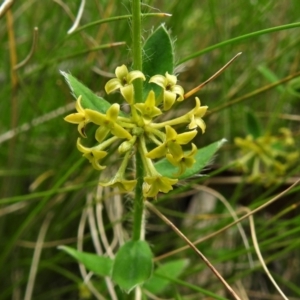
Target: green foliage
268 74
294 87
252 124
132 265
158 57
172 269
203 157
99 265
89 99
40 171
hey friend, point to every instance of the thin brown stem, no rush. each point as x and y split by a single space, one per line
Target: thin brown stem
30 54
191 245
199 87
261 259
36 257
209 236
254 93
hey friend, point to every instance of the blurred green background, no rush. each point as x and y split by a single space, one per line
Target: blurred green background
42 174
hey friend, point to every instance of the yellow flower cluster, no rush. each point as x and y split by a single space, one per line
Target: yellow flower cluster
267 158
139 129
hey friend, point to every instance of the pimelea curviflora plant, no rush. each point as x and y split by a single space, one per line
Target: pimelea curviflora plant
161 149
265 158
134 132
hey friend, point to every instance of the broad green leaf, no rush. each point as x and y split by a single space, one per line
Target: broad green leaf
158 58
202 157
173 269
89 99
253 126
100 265
132 265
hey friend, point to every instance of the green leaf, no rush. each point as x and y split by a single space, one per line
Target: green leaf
132 265
100 265
158 58
202 157
294 87
252 124
173 269
89 99
270 76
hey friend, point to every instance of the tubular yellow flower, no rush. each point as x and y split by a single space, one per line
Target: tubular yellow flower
119 180
123 81
94 155
79 118
171 91
123 185
148 109
155 184
108 123
127 145
196 115
171 143
182 160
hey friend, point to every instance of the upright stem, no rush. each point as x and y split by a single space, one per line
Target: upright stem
138 212
138 208
137 47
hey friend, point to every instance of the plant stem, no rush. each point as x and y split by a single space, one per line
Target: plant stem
137 47
138 208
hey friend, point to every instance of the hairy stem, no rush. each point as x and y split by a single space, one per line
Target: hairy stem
138 209
137 47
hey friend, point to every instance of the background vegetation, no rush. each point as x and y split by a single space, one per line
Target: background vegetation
45 184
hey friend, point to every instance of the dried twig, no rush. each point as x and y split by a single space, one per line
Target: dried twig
30 54
191 245
199 87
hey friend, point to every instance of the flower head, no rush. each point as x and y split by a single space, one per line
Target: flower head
267 158
123 81
130 133
171 91
79 118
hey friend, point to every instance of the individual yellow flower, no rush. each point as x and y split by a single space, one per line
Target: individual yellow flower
148 109
182 160
123 185
94 155
171 91
108 123
79 118
155 184
119 179
123 81
196 115
172 142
